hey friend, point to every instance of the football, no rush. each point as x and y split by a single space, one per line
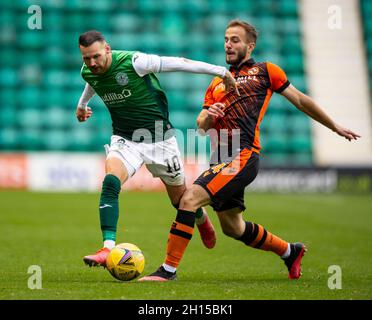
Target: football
125 261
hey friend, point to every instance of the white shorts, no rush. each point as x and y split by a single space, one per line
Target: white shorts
162 159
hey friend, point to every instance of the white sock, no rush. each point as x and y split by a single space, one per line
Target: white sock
169 268
287 252
109 244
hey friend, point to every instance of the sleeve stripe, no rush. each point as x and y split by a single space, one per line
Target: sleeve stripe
283 87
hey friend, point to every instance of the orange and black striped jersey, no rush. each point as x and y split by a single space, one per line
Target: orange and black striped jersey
256 83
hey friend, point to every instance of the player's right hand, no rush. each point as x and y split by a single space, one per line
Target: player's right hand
83 114
215 110
230 83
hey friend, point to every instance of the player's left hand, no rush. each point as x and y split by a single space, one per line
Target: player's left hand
230 83
346 133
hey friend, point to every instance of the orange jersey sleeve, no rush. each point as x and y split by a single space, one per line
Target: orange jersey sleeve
208 98
278 78
215 93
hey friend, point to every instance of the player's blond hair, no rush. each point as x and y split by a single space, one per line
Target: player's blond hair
250 30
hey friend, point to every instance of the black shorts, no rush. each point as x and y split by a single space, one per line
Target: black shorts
226 182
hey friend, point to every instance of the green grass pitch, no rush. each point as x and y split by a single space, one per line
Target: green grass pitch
54 231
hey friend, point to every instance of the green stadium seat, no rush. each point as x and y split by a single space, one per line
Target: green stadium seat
8 77
265 24
277 105
125 22
31 40
183 119
56 139
172 24
275 143
176 99
75 21
8 138
53 21
57 117
195 7
287 8
275 123
7 57
300 143
299 124
29 97
81 139
290 25
8 98
268 43
8 116
298 81
195 99
30 139
275 159
303 159
294 63
55 96
30 118
173 80
55 77
150 5
217 24
291 44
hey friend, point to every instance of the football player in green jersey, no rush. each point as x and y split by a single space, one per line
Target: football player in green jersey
126 82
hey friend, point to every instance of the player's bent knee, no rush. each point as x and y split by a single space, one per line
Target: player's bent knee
116 167
189 201
194 198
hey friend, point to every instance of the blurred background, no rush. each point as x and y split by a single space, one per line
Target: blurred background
325 47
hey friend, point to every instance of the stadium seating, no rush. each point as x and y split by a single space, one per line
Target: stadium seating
40 81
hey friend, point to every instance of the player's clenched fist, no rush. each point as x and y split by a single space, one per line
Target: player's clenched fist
215 110
83 114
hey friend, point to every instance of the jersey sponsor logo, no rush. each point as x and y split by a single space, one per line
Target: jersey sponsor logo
245 79
113 97
122 78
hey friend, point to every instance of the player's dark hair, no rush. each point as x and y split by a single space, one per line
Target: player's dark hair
88 38
250 30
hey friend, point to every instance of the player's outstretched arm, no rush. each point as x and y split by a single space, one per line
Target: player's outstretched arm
150 63
305 104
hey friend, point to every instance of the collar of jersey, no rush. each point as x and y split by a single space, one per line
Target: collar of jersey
247 63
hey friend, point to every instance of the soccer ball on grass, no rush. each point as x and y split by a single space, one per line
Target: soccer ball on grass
125 261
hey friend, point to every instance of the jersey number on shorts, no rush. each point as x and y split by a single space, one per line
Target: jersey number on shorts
173 164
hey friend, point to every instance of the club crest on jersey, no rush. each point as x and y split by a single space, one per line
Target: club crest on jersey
253 71
122 78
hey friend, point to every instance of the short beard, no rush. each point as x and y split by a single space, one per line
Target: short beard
240 57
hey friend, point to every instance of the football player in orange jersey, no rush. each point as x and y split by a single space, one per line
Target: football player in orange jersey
222 186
